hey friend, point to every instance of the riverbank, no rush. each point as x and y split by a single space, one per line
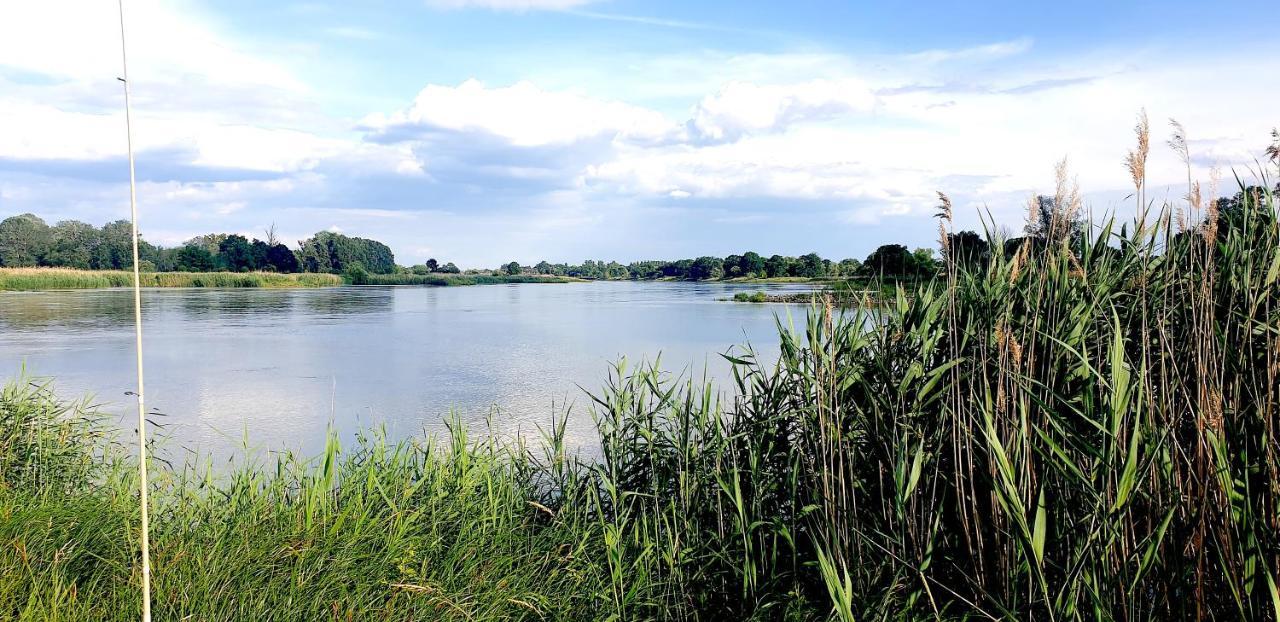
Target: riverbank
34 279
1002 443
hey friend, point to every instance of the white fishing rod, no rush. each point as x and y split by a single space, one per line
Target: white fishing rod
137 332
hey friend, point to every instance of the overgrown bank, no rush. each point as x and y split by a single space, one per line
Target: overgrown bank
30 279
70 278
1084 430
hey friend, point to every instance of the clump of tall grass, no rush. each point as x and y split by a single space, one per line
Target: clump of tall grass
1084 429
69 278
445 529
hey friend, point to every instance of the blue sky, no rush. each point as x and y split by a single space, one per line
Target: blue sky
480 131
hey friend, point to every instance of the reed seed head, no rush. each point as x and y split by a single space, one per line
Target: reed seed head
1273 151
1178 141
1136 160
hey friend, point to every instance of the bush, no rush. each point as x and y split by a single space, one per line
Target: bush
356 275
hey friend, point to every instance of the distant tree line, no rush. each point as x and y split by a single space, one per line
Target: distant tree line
892 260
27 241
434 267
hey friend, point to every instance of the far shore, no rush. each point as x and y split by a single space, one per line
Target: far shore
37 279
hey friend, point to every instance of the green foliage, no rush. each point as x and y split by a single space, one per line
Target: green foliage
194 258
24 241
356 275
968 248
443 279
280 259
747 265
332 252
235 254
810 266
72 245
704 268
511 268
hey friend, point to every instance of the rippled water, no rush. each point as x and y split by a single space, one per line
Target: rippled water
277 366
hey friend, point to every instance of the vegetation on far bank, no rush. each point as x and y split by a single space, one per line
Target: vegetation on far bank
67 278
442 280
1082 430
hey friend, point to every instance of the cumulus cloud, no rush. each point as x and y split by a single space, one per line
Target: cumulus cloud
478 172
522 114
165 44
743 107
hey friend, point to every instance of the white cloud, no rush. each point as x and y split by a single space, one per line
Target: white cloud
743 107
986 52
474 171
197 97
872 144
166 42
522 114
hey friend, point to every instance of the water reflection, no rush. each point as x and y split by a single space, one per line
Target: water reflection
279 366
71 309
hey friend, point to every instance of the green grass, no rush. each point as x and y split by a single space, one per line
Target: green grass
68 278
1083 431
756 297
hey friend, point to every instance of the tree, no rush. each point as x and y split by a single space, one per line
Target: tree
645 269
209 241
432 265
24 241
810 266
1052 222
258 254
335 253
733 266
512 268
1235 212
967 248
704 268
235 253
892 260
778 266
449 268
679 269
115 247
272 240
194 258
752 264
281 259
923 262
72 245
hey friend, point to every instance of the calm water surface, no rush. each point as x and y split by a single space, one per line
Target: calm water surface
277 366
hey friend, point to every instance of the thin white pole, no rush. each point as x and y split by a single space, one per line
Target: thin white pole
137 333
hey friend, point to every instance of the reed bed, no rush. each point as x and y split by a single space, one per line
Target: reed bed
70 278
1082 429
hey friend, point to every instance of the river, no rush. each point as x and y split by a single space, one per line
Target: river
230 370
